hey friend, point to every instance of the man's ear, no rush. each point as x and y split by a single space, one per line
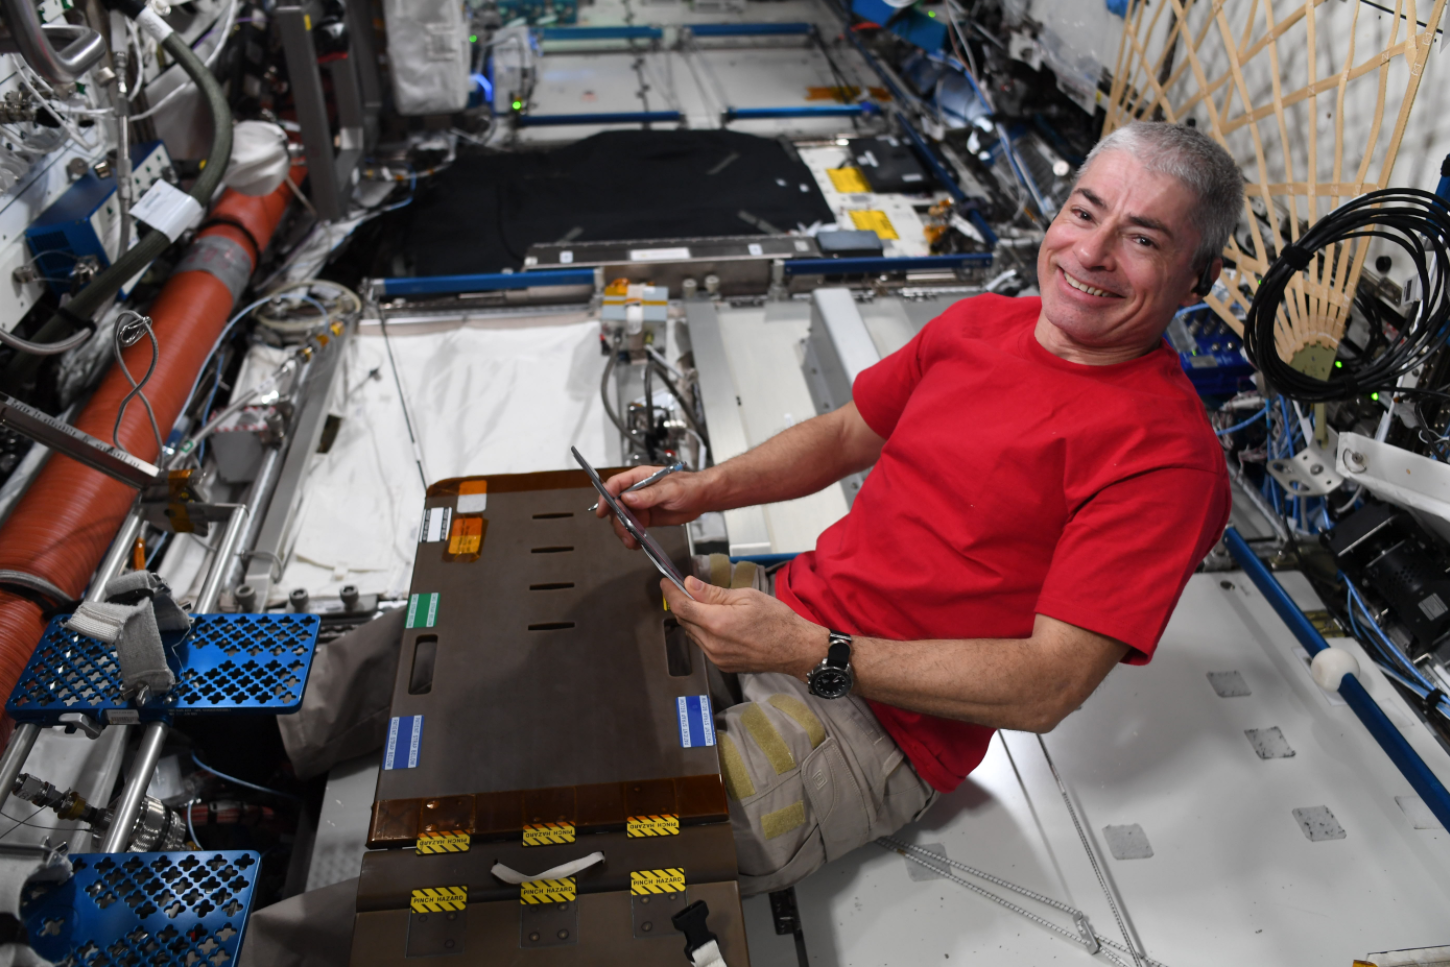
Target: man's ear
1205 283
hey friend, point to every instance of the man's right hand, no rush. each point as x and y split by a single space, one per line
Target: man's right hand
677 499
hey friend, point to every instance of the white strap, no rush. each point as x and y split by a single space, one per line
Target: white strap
708 956
514 877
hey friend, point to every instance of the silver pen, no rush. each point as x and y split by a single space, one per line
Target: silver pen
655 477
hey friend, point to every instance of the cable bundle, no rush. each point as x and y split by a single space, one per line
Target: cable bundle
1419 223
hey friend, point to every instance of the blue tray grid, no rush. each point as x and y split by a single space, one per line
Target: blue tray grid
154 909
225 663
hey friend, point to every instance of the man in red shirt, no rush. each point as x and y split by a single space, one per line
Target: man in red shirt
1044 481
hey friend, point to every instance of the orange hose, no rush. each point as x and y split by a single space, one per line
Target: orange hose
63 524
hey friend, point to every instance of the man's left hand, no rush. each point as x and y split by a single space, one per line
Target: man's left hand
745 630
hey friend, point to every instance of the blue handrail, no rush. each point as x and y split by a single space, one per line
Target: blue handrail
871 265
751 29
602 33
1401 753
486 282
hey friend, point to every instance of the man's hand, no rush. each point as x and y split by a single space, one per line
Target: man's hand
745 630
676 499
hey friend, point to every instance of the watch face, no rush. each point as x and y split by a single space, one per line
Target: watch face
831 682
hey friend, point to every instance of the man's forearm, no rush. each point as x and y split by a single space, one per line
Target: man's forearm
1029 684
800 460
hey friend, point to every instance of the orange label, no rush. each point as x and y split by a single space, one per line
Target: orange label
466 535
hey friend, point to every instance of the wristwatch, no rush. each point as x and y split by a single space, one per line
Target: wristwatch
832 678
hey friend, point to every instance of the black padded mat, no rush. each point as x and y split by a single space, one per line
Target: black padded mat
483 213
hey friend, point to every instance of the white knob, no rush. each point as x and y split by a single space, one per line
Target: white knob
1330 666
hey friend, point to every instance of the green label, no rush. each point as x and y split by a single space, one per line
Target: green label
422 610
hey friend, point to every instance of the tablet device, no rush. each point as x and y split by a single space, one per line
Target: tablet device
651 546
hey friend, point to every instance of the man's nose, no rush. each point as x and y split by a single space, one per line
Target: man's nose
1094 249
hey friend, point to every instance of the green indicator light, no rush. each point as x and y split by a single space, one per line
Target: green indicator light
1338 364
518 105
473 38
931 13
1374 396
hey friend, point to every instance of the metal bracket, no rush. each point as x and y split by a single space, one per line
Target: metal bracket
64 438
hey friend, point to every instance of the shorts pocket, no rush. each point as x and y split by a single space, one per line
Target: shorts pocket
841 811
810 857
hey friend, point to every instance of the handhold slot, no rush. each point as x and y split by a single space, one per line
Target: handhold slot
550 550
677 648
557 586
554 516
425 654
552 626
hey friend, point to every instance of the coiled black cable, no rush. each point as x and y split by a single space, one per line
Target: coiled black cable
1416 221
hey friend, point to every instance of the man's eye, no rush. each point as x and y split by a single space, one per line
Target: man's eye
1143 241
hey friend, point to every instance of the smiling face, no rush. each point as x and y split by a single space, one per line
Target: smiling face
1116 262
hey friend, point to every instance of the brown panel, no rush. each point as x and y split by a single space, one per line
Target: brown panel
549 805
550 668
498 812
600 805
705 853
649 798
701 797
394 822
606 935
447 814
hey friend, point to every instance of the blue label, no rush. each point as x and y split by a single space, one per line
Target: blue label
696 728
405 734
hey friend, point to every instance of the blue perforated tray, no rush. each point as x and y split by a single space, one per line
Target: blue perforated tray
156 909
225 663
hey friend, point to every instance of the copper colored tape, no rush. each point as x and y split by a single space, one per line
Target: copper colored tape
503 815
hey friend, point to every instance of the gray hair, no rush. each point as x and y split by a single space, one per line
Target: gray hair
1196 160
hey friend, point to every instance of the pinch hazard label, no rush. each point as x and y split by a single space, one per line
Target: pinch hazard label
442 843
645 882
438 899
663 825
548 834
547 891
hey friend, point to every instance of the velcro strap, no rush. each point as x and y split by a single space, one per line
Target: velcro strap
1297 257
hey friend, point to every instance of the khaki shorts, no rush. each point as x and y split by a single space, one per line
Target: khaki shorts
809 779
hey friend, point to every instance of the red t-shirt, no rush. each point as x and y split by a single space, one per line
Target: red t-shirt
1014 483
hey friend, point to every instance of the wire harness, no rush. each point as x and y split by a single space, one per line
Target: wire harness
1418 222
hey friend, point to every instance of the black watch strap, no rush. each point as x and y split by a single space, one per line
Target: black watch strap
838 655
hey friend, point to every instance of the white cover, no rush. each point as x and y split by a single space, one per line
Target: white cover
483 400
427 55
259 159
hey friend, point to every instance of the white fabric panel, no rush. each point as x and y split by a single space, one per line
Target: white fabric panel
483 400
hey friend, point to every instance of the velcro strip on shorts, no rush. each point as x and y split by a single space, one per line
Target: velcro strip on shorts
720 570
784 820
803 716
737 777
767 738
744 576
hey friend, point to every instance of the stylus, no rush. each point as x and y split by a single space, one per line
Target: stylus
655 477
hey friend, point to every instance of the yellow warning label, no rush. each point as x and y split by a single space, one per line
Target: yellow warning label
848 181
874 221
442 843
548 834
645 882
663 825
547 891
440 898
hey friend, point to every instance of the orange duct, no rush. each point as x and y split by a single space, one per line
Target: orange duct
62 526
